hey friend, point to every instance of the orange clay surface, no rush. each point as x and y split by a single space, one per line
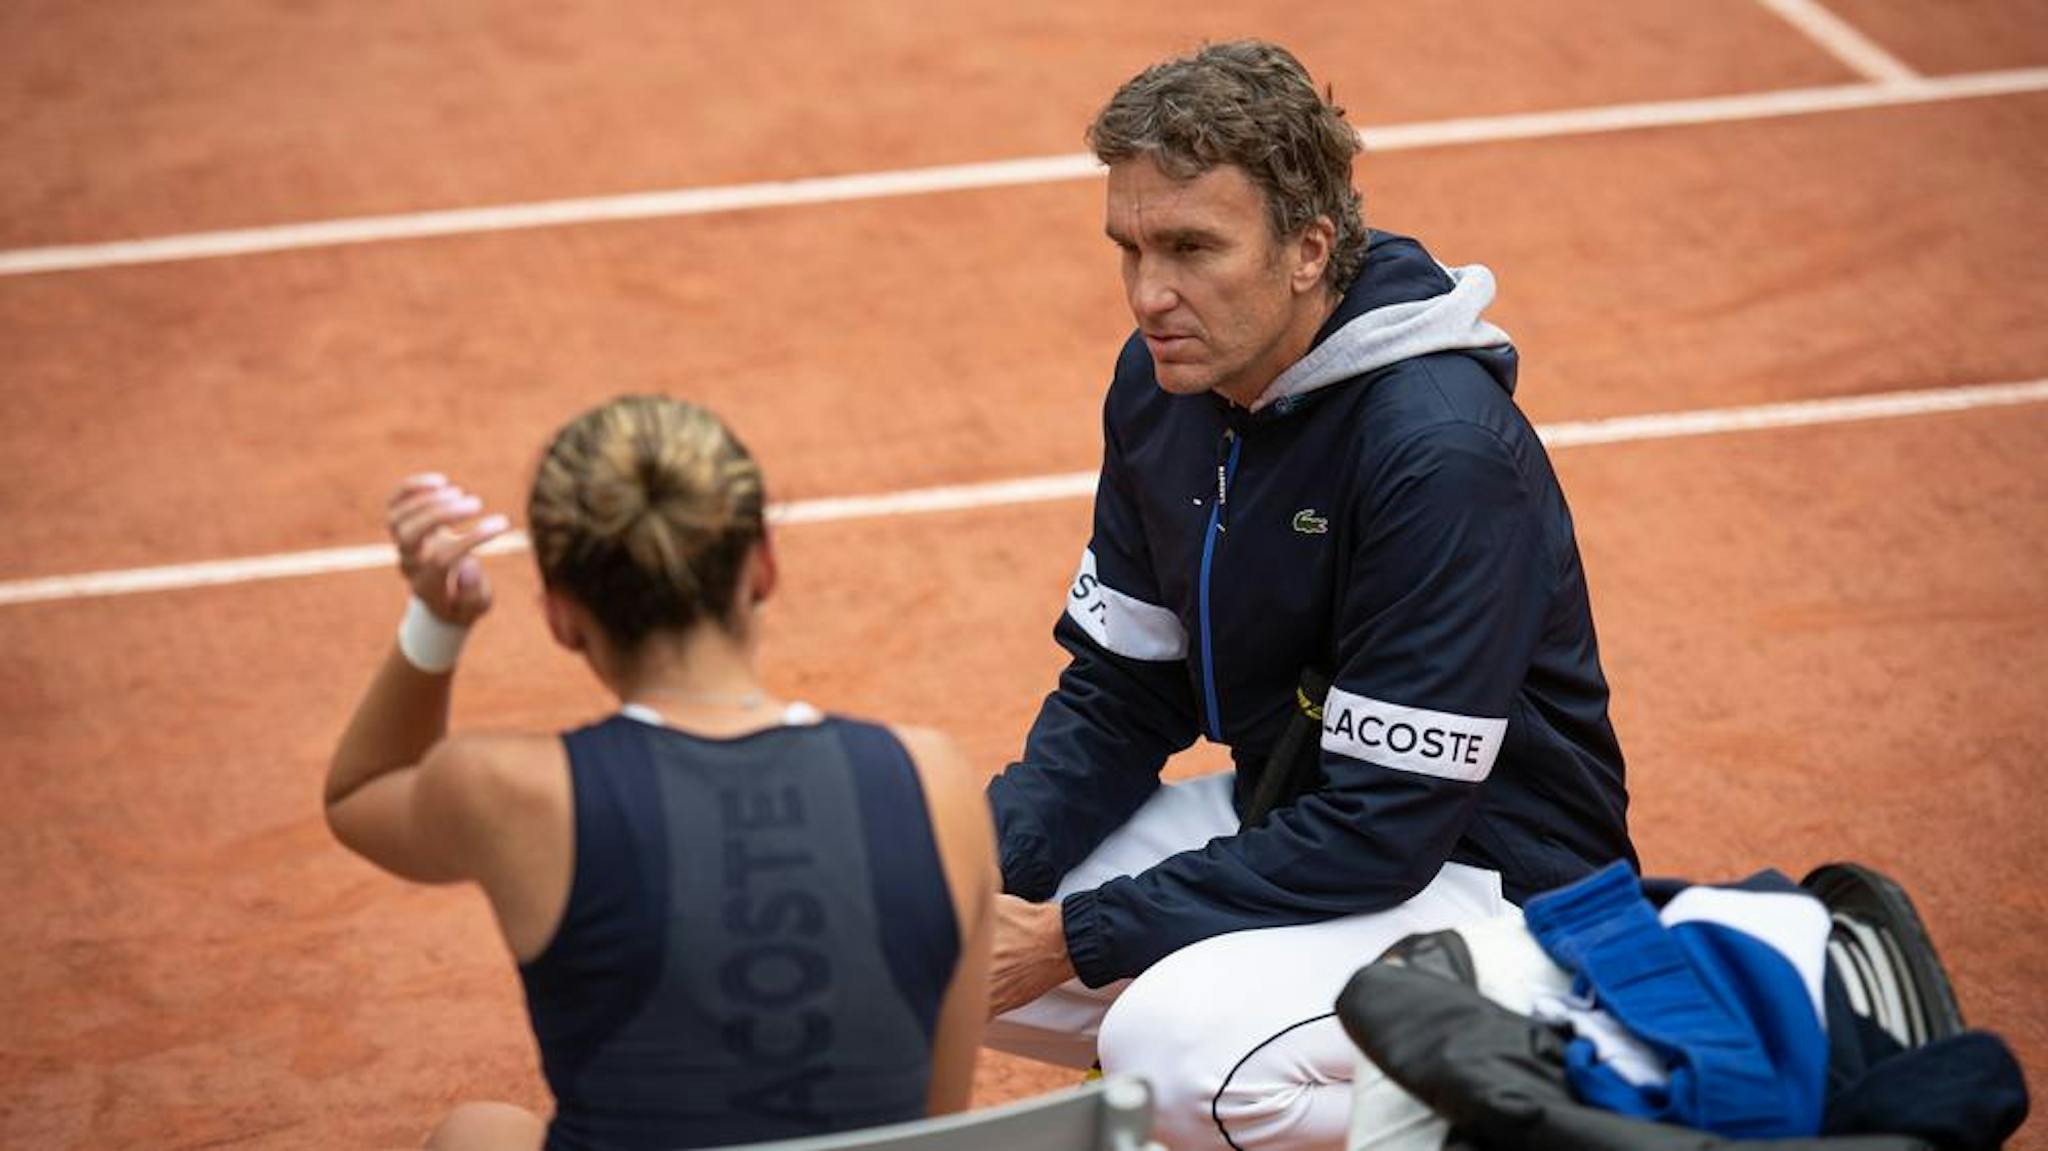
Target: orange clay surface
1825 642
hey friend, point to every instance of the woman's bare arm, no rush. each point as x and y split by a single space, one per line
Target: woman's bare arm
374 776
372 796
965 834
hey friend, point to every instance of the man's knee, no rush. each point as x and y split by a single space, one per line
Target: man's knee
1228 1059
1154 1031
1167 1020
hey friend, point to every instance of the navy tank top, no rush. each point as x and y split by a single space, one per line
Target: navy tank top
756 943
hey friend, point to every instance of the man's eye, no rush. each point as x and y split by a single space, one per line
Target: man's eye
1186 247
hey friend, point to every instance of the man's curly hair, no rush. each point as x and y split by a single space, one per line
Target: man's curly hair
1248 103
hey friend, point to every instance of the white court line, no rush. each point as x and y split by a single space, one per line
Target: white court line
1843 41
963 177
1714 110
1798 413
1038 489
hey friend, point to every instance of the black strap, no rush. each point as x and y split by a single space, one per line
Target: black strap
1295 766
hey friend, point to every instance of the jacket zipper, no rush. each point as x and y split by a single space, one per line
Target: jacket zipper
1219 523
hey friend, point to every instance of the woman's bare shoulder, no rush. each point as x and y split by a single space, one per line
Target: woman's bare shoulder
954 790
939 760
496 770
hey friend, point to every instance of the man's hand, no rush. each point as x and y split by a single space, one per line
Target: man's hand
1030 953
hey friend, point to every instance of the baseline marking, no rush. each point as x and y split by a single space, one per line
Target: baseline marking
1797 413
1039 489
1004 173
1843 41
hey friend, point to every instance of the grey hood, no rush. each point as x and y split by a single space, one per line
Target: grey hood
1402 329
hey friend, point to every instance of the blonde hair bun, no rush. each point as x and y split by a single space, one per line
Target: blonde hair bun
644 509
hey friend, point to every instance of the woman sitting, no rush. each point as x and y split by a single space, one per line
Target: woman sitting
736 919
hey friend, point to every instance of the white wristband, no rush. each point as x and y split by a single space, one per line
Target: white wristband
427 641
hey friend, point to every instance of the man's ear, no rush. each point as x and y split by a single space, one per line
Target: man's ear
1312 254
565 619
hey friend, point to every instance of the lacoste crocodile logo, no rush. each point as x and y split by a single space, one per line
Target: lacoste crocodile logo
1308 523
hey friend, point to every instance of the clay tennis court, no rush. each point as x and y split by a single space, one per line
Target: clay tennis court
1779 282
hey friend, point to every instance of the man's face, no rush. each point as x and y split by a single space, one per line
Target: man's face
1222 304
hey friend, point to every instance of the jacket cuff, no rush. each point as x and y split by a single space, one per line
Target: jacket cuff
1088 944
1026 875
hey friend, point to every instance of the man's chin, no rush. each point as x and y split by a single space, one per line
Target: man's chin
1182 379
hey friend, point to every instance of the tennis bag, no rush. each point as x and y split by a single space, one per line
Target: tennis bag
1903 1075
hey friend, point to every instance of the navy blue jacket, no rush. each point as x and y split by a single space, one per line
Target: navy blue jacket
1384 511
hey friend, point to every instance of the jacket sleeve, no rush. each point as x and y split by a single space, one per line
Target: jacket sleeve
1437 619
1122 706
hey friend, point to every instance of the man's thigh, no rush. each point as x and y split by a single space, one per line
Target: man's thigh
1238 1033
1179 817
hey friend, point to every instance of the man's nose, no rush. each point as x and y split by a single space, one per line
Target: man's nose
1152 294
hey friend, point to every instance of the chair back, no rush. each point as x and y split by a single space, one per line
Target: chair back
1111 1114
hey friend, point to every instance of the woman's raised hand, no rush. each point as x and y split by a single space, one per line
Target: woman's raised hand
426 517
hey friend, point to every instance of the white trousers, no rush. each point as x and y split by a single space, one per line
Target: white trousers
1237 1034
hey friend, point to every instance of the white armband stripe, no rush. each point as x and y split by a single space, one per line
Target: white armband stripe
1411 738
1123 624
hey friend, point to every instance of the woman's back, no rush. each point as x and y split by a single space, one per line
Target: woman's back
757 938
730 931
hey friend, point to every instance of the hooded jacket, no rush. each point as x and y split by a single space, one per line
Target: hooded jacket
1383 511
